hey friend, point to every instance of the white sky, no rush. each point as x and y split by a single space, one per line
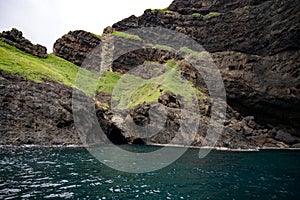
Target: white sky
44 21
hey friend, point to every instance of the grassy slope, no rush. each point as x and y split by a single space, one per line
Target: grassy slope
17 62
131 91
128 90
126 35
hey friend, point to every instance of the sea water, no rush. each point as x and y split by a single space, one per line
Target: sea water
73 173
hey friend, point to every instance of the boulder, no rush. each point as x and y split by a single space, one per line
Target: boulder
169 99
284 137
15 38
75 46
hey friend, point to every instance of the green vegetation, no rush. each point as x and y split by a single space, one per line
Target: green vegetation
195 54
164 47
108 82
15 61
149 92
171 64
128 90
131 91
126 35
161 10
197 14
212 14
96 35
123 90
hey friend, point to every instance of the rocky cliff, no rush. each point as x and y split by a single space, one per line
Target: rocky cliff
254 44
35 113
15 38
250 26
41 113
75 45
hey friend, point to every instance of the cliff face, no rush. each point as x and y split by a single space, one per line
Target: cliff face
190 7
253 27
42 113
15 38
254 44
35 113
75 45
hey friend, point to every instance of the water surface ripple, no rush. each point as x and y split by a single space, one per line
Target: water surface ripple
72 173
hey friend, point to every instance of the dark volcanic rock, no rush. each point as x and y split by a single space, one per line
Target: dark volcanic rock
254 43
164 129
253 27
75 46
170 100
35 113
138 141
140 114
265 87
239 132
189 7
15 38
133 59
113 133
41 113
285 137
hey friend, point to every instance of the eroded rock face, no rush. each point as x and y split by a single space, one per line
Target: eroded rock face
239 132
75 46
169 99
15 38
189 7
42 113
33 113
111 130
266 87
253 27
254 43
133 59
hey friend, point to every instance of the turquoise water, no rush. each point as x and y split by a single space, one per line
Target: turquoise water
36 173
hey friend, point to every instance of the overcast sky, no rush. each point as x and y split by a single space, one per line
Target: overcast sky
44 21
